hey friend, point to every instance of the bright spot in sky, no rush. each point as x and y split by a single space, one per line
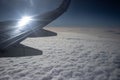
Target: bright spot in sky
24 21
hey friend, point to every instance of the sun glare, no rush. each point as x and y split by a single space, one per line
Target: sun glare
24 21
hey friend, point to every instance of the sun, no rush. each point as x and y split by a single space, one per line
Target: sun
24 21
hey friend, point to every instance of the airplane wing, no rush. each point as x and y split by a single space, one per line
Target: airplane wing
11 33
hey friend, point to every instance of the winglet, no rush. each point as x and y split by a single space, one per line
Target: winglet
52 15
64 5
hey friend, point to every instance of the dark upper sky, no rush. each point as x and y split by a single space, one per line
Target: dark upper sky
84 13
89 13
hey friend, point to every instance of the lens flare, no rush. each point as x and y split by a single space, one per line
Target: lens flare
24 21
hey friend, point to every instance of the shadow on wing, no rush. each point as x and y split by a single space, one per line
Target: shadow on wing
20 51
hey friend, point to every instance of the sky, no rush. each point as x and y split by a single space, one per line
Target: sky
91 13
15 9
81 13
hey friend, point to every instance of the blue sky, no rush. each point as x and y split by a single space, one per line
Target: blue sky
81 13
91 13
